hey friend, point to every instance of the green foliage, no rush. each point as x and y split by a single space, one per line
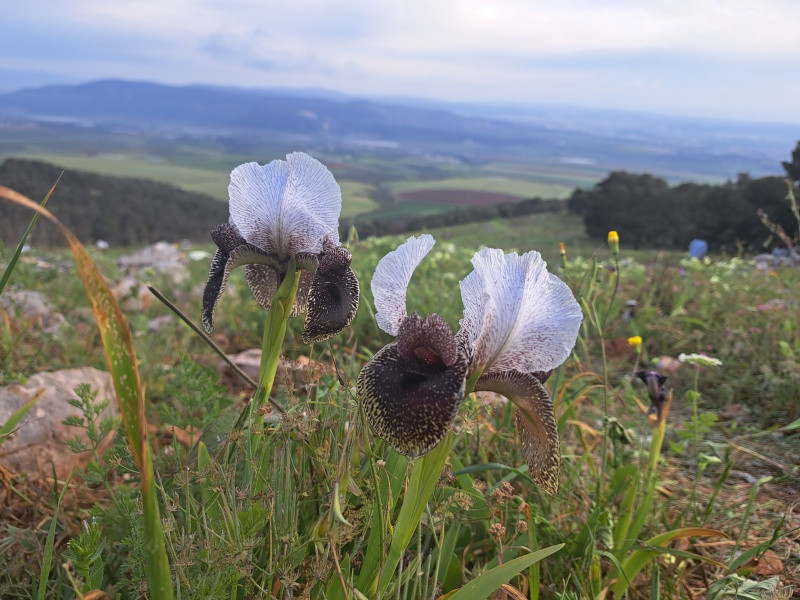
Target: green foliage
309 504
648 213
84 553
792 167
121 211
7 428
195 395
395 224
97 430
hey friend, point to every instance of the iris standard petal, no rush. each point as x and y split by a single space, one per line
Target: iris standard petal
333 296
411 389
517 315
285 207
390 282
536 423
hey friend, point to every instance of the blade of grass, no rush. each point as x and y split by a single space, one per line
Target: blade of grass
7 427
49 546
121 361
639 559
425 473
486 584
388 490
15 258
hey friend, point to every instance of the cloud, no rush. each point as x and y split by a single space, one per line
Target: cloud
702 56
259 49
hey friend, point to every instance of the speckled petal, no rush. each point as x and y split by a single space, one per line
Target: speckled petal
517 315
215 285
303 288
227 237
222 264
409 392
333 296
263 282
536 423
391 278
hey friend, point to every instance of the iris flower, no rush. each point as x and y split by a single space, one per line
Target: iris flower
279 212
520 322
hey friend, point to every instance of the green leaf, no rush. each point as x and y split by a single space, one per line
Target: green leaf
639 559
47 556
425 473
388 491
13 420
334 590
12 264
791 426
488 583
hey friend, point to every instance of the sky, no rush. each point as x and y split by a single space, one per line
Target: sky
730 59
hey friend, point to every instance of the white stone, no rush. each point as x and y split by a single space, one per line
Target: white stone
38 442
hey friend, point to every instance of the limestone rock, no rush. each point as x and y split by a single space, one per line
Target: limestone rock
132 295
33 307
38 442
296 374
160 257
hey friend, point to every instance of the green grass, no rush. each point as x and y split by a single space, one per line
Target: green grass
405 210
498 184
542 232
330 497
356 198
213 182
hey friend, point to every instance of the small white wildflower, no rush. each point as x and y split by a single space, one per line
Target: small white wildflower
700 360
196 255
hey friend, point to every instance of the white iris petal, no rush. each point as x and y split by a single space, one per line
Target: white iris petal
392 276
517 315
286 207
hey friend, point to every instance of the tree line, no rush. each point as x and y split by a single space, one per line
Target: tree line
122 211
397 225
647 212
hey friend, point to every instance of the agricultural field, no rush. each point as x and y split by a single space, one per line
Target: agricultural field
492 184
311 504
371 188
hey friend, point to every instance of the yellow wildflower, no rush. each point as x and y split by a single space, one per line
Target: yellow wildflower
613 242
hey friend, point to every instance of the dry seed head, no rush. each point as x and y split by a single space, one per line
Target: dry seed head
497 531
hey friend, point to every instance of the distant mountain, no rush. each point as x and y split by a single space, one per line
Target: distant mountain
216 108
123 211
674 147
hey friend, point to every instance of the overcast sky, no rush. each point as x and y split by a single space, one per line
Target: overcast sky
734 59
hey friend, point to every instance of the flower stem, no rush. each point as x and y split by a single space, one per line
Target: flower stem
274 333
696 441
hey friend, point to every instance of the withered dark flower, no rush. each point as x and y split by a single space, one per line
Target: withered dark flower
520 322
655 390
279 212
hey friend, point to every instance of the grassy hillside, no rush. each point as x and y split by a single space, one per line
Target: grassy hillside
725 464
122 211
